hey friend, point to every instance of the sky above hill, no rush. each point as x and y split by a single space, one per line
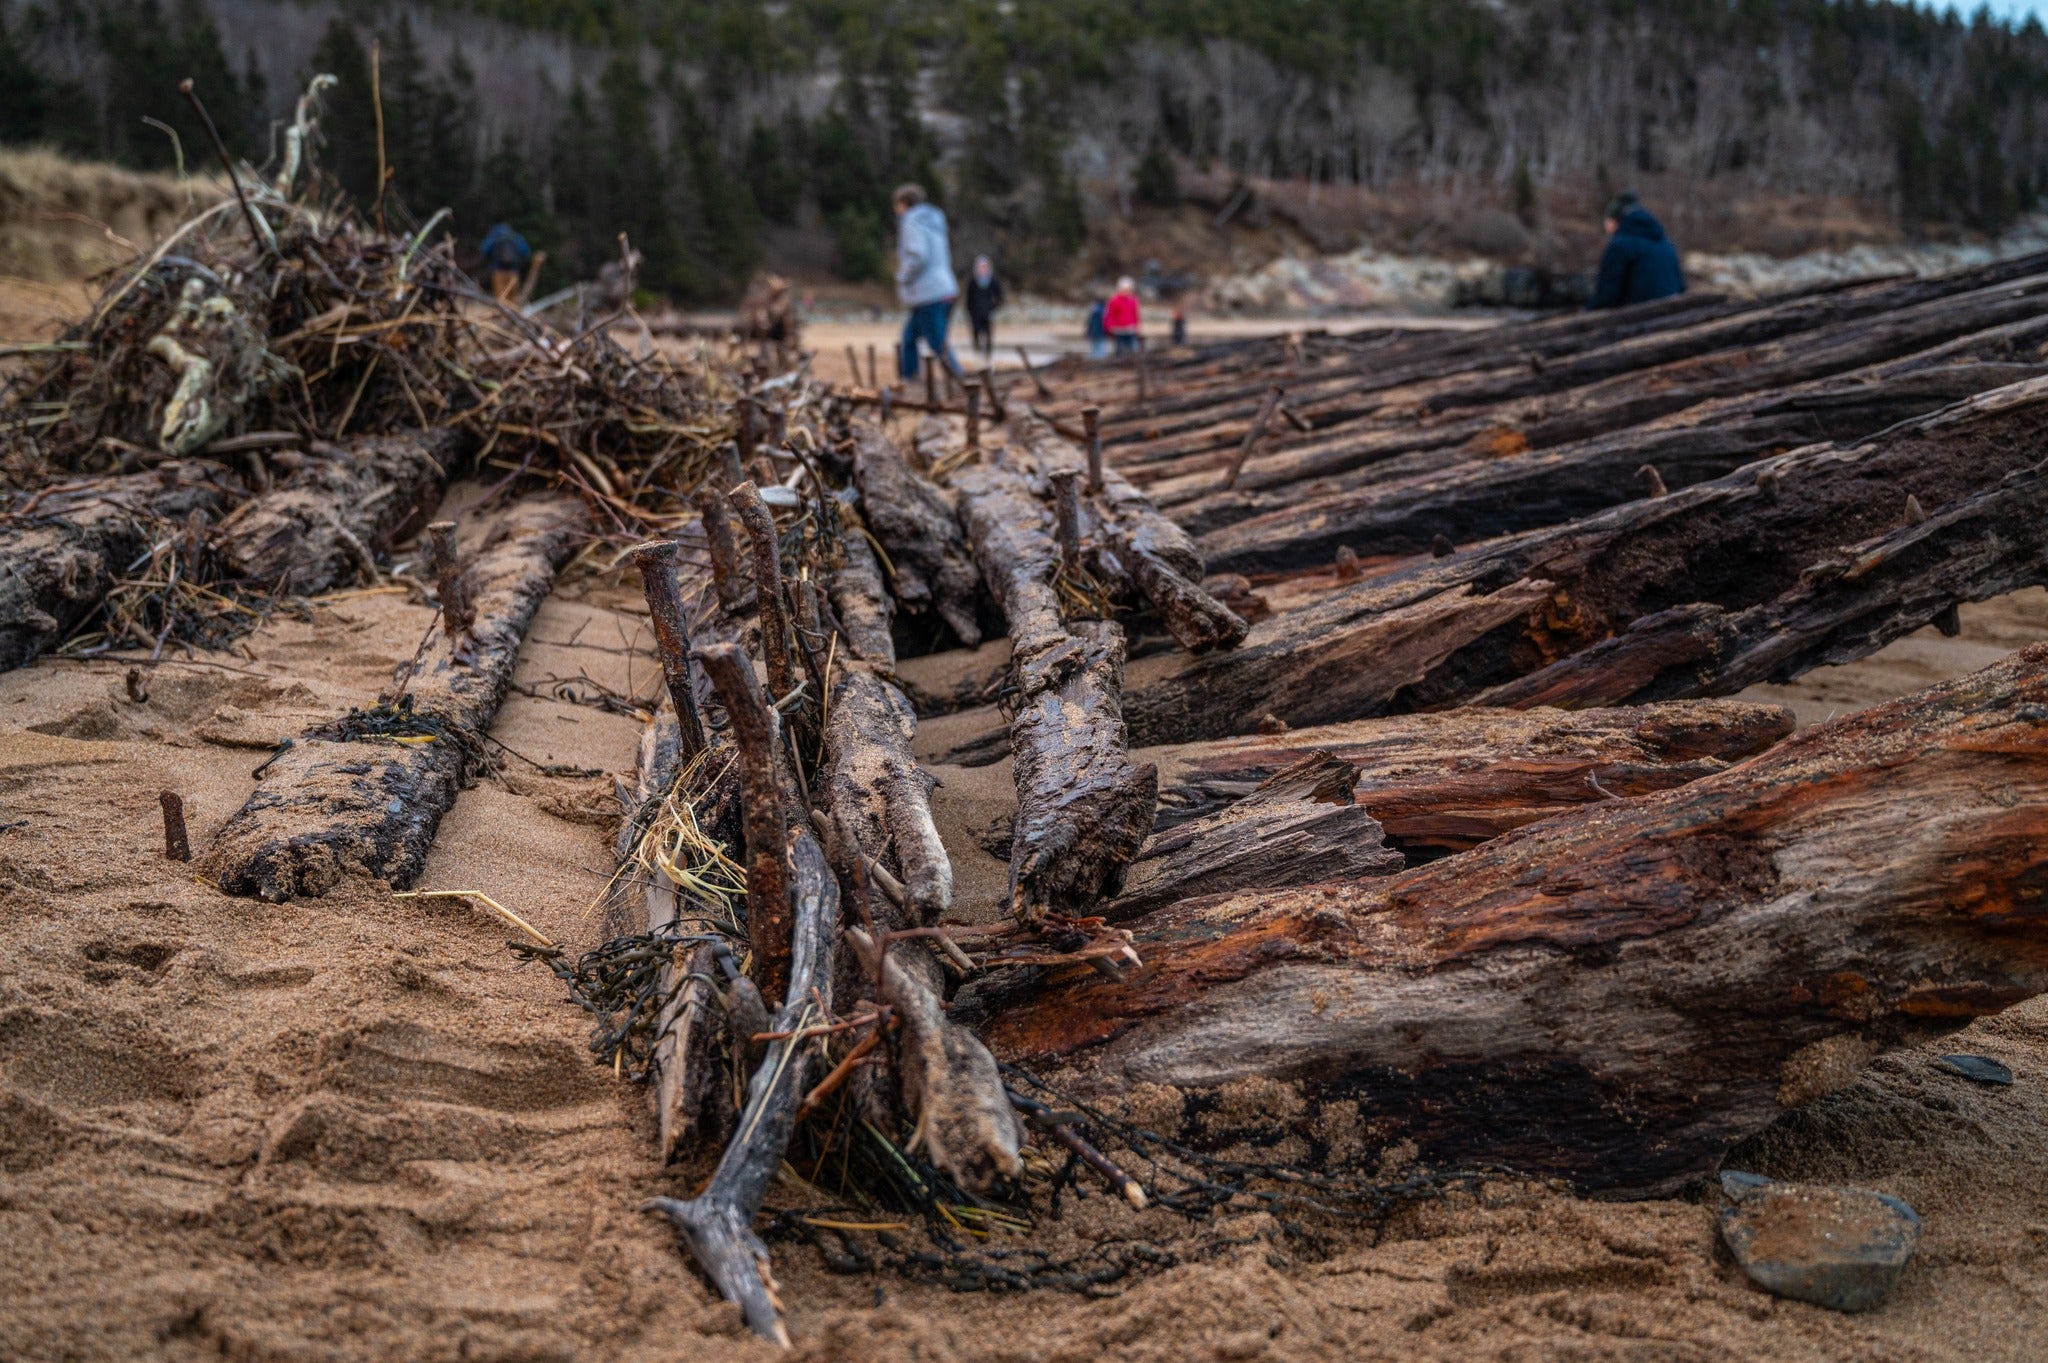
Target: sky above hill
2016 10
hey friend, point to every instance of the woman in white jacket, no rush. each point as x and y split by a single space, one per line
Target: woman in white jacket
924 279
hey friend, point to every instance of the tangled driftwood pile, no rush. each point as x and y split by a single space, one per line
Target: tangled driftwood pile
273 397
1360 697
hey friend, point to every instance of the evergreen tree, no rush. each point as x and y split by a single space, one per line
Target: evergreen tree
148 53
347 154
404 85
1156 182
576 177
507 190
38 108
772 172
725 247
852 196
255 107
990 166
610 174
446 143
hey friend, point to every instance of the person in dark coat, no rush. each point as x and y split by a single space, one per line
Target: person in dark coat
984 296
1640 263
508 255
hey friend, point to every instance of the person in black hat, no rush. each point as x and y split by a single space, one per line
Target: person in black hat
1640 263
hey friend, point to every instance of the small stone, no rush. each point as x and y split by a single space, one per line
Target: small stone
1842 1248
1981 1068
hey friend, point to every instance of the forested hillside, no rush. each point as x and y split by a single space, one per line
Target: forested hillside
714 131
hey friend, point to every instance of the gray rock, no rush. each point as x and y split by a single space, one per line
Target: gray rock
1842 1248
1981 1068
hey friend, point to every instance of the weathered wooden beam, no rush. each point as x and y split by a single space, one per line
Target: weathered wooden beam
1299 825
1614 996
764 802
860 598
1083 808
1501 371
1446 631
348 797
686 1059
1011 533
682 1056
327 521
1156 555
62 548
1846 605
930 566
876 802
1453 779
1226 382
717 1225
1883 324
1467 499
1346 656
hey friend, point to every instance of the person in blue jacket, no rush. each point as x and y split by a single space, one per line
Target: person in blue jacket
1098 334
1640 263
924 279
508 255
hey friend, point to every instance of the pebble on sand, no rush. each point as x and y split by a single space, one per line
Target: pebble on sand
1981 1068
1842 1248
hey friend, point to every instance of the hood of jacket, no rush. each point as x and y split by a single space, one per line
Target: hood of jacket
1638 222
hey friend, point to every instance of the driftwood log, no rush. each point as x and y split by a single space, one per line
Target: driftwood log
687 1051
1454 779
1011 534
860 596
876 802
1301 824
1407 503
336 512
682 1053
346 798
717 1225
1614 996
1083 809
1783 340
63 548
1450 630
930 566
1153 553
1626 397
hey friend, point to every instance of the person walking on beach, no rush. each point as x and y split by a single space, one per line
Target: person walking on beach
1098 335
1639 263
507 253
984 296
1120 317
924 279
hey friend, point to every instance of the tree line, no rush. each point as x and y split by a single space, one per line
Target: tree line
712 123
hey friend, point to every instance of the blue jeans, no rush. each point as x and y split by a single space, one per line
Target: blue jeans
1126 342
927 323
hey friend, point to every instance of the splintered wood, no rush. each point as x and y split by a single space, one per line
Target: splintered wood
1860 885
